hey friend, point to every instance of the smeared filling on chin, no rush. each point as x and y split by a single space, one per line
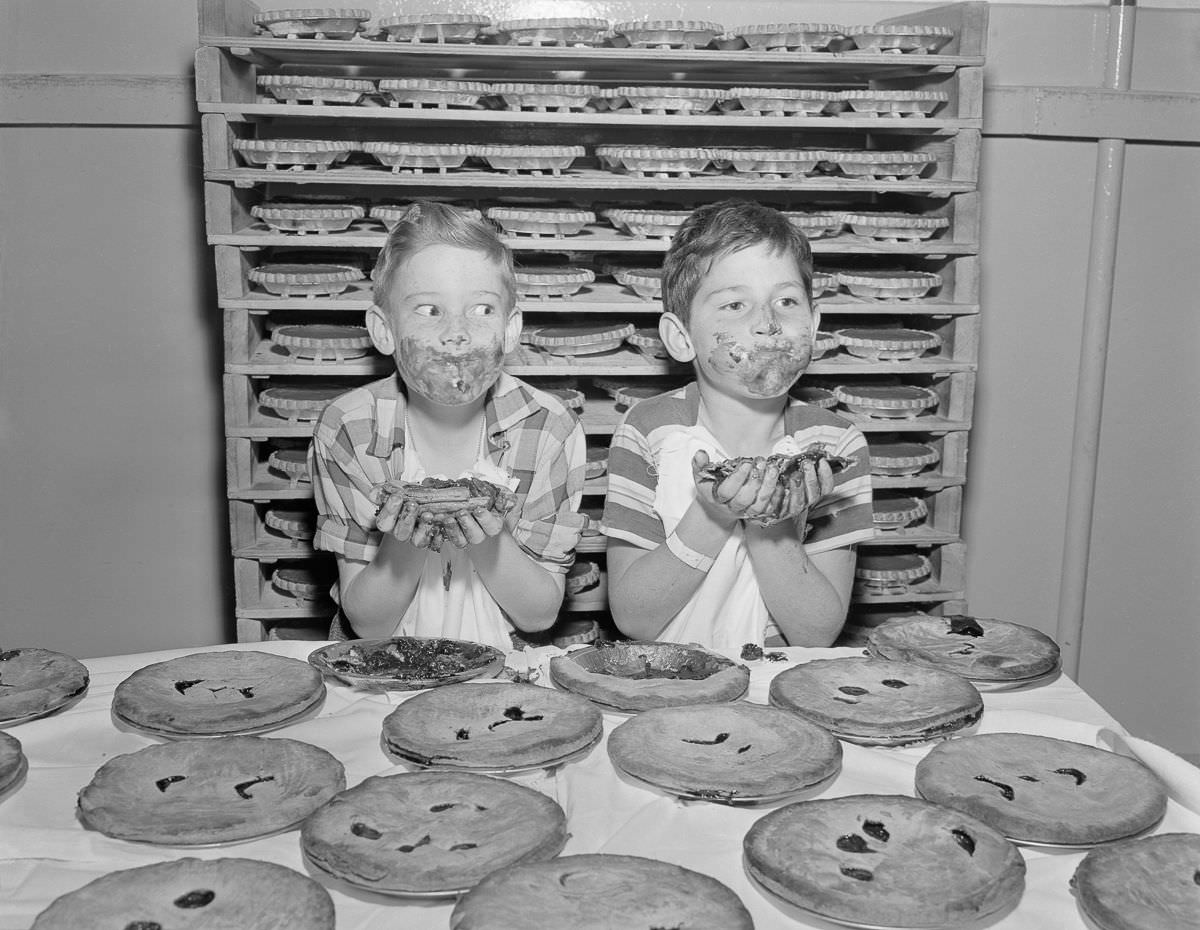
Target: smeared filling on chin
451 378
765 369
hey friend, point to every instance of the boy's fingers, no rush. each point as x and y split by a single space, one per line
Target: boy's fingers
732 488
488 521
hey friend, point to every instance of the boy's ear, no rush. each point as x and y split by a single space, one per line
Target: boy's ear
380 331
816 318
512 329
675 337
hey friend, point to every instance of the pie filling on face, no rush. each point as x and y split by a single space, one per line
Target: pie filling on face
407 662
599 892
37 681
1147 884
193 892
885 860
1038 789
492 725
982 649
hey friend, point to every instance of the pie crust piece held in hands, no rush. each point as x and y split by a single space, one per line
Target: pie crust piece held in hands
431 833
194 792
599 892
1147 884
878 702
1038 789
492 725
637 676
34 682
195 894
218 693
884 860
980 649
725 752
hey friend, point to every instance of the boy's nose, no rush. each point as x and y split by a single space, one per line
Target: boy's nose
767 323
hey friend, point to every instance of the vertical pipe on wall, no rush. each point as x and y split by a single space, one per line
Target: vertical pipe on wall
1093 352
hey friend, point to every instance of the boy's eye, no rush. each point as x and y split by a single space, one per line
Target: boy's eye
427 310
483 310
734 306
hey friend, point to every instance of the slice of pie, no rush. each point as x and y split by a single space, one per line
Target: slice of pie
1038 789
194 792
13 764
636 676
734 752
189 892
884 861
1147 884
599 892
490 726
36 681
218 693
406 663
976 648
431 833
877 702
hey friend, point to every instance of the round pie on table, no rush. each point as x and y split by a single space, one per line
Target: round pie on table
981 649
725 752
599 892
218 693
34 682
637 676
407 663
1037 789
13 764
431 833
877 702
492 725
884 860
195 894
195 792
1147 884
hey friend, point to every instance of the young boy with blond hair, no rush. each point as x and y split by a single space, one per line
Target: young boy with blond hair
445 311
747 558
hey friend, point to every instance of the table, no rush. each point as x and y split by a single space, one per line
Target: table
45 851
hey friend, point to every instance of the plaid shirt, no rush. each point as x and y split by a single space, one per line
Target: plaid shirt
358 444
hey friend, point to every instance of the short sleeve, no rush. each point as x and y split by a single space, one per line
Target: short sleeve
845 516
548 525
629 512
342 489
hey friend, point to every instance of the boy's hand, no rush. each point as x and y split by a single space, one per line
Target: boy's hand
403 520
471 527
811 482
752 491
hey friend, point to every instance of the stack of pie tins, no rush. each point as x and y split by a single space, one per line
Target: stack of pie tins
541 221
211 791
208 694
194 892
636 676
37 682
885 861
431 834
1043 791
988 652
429 92
307 217
322 341
13 764
406 663
495 727
1146 884
580 338
876 702
312 23
599 892
433 27
736 753
315 89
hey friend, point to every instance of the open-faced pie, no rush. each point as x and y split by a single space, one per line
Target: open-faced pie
294 154
599 892
218 693
884 861
490 726
406 663
432 833
1038 789
36 681
195 894
779 101
13 764
304 279
554 30
580 338
1146 884
322 341
976 648
734 752
637 676
299 401
195 792
876 702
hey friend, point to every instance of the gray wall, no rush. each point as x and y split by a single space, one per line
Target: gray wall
112 511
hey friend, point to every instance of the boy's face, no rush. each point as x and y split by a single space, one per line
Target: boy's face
448 321
751 324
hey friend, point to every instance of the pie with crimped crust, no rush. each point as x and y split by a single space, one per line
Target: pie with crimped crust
599 892
37 681
13 764
877 702
1039 789
431 832
195 894
1146 884
884 860
981 649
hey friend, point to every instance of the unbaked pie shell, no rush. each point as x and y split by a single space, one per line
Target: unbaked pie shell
427 92
304 218
439 28
304 280
312 23
315 89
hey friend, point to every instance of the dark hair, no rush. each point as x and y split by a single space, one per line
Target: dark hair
427 223
717 229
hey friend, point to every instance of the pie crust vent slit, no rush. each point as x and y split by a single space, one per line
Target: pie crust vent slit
201 897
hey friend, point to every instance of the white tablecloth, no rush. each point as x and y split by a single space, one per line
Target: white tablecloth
45 851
